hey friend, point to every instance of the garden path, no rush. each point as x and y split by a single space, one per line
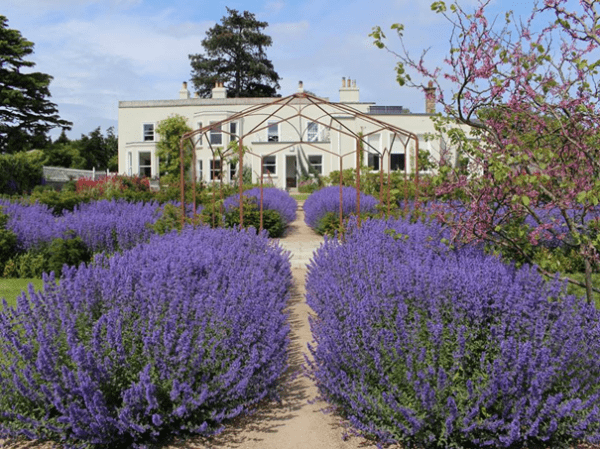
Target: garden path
298 421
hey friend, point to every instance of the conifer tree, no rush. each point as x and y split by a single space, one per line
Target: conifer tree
26 114
235 55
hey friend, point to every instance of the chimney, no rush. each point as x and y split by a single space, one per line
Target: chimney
300 87
184 92
430 98
349 91
219 90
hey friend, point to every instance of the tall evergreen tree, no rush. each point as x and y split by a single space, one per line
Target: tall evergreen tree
235 55
26 115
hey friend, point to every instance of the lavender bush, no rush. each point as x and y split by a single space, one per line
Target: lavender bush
111 225
273 199
432 347
105 225
327 200
175 335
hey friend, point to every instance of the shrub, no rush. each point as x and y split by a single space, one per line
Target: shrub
8 241
273 199
436 348
158 340
272 222
19 172
327 200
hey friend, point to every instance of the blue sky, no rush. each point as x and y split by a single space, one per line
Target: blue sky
103 51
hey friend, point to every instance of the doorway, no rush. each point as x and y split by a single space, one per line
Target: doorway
291 172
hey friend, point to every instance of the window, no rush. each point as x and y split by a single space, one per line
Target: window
148 132
216 137
233 131
129 163
199 170
312 132
232 171
145 164
215 169
398 162
373 161
316 164
199 143
270 165
273 132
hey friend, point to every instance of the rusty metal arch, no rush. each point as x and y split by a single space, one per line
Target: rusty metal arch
299 101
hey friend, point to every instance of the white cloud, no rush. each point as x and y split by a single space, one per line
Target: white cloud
274 7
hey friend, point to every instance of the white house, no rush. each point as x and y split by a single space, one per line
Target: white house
294 136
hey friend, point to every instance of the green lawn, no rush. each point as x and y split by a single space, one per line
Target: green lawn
300 196
11 288
580 291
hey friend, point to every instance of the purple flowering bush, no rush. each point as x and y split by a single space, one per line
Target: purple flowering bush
432 347
173 336
273 199
111 225
327 201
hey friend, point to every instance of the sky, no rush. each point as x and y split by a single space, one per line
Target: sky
100 52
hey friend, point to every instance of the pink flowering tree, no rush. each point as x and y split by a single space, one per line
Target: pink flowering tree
529 97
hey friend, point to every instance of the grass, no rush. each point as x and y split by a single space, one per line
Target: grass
300 196
12 288
580 291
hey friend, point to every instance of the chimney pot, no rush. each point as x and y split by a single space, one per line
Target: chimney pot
343 81
430 98
184 92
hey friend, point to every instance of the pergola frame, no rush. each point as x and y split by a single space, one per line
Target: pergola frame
299 102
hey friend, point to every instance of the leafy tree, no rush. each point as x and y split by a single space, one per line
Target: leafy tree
533 110
93 150
97 150
26 115
235 55
170 131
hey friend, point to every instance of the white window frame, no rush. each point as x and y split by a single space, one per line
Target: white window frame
199 173
272 137
272 163
312 132
374 144
140 166
147 134
233 130
318 167
214 173
214 133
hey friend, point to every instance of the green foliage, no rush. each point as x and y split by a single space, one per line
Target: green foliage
26 265
52 257
330 224
170 131
26 114
273 223
8 241
19 172
69 251
65 200
234 53
93 150
170 220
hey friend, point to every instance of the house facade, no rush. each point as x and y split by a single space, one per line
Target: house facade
288 139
